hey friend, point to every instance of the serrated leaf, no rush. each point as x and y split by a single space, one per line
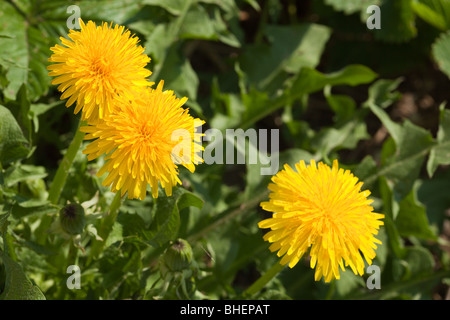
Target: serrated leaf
17 285
12 141
344 136
25 54
305 82
291 48
440 154
166 216
382 93
310 80
412 219
179 75
23 172
441 52
403 168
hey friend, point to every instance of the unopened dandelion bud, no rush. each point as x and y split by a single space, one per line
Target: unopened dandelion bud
72 218
177 257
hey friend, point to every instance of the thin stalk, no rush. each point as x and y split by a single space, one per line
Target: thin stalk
259 284
106 226
63 170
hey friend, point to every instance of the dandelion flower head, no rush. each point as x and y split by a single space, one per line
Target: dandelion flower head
323 210
140 146
97 64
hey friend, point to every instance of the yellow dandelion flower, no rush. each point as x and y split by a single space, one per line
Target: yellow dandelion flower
323 209
97 64
143 141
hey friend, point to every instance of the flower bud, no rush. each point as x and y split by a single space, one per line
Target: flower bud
72 218
177 257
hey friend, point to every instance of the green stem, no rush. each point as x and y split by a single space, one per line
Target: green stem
259 284
106 227
64 167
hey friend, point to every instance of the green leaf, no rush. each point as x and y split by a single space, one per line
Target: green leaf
198 24
343 106
23 172
433 193
12 141
291 48
173 6
310 80
382 93
257 183
440 154
4 222
412 218
434 12
419 261
189 199
403 168
179 75
397 22
351 6
166 216
24 54
344 136
412 143
441 52
17 285
305 82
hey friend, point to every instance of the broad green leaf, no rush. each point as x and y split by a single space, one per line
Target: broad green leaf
419 261
257 183
173 6
32 207
440 154
345 136
433 193
394 129
179 75
441 52
305 82
412 218
310 80
397 22
166 216
24 54
343 106
17 285
434 12
23 172
412 142
382 93
290 48
351 6
403 168
189 199
198 24
12 141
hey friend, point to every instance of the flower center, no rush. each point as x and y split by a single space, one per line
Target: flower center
100 67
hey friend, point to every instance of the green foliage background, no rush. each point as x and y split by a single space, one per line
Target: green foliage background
374 99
